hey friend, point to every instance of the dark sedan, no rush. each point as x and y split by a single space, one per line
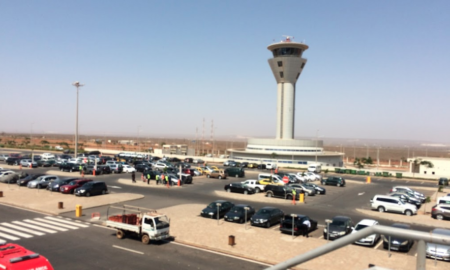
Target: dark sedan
266 217
239 213
217 209
142 167
239 187
319 190
46 163
31 177
398 243
299 225
340 226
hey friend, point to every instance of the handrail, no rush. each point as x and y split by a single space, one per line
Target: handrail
422 237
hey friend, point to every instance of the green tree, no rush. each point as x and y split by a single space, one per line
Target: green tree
273 155
44 142
359 162
64 144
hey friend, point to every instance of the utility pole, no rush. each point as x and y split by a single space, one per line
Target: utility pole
317 139
196 141
203 136
77 85
31 143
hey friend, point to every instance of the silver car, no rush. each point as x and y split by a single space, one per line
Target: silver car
3 157
439 251
28 163
42 181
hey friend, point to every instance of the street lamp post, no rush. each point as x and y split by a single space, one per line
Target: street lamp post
293 222
328 221
218 213
245 221
77 85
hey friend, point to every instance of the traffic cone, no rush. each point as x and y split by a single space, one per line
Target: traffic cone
93 172
179 182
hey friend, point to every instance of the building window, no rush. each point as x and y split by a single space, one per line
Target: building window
280 63
281 74
303 65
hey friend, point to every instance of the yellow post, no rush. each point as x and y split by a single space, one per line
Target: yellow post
78 210
368 180
301 199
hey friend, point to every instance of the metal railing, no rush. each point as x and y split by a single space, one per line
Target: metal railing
421 237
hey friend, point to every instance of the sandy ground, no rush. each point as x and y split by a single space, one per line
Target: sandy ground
270 246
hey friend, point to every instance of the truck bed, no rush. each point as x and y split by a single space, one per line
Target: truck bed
124 222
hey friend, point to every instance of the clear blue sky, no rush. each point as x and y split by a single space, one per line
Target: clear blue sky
376 69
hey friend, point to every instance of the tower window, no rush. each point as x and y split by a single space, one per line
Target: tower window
303 65
281 74
280 63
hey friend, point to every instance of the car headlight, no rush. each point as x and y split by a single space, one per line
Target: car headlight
56 186
82 191
210 213
66 188
404 243
263 220
236 217
341 233
225 216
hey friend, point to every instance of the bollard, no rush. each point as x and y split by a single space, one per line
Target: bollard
1 194
93 172
60 205
301 199
179 182
78 210
368 180
231 240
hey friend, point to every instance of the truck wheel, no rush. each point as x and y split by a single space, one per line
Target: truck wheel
269 194
257 190
207 175
70 170
120 234
237 175
145 239
245 192
220 177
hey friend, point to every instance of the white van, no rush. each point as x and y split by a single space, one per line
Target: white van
315 168
47 156
268 175
443 200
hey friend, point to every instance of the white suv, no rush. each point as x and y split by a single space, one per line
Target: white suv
392 204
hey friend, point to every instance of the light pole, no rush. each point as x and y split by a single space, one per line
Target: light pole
218 213
31 143
293 222
77 85
328 221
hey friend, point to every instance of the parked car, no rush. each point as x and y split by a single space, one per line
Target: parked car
28 163
188 171
261 166
440 211
28 178
142 167
252 165
384 203
239 188
3 157
254 184
46 163
174 159
196 172
408 190
54 185
236 172
319 190
5 174
398 243
220 174
227 163
215 211
13 177
308 191
334 180
407 198
244 165
284 192
91 188
439 251
286 225
443 181
69 167
104 159
13 160
312 176
239 213
42 181
70 188
198 161
339 226
266 217
128 168
189 160
271 182
370 240
115 168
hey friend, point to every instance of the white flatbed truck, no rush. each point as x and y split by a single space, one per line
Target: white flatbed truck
147 224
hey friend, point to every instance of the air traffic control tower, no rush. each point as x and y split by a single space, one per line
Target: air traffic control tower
287 64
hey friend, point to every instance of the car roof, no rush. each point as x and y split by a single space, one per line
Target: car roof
269 208
298 215
368 222
220 201
242 205
341 218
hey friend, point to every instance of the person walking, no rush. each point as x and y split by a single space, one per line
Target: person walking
81 169
294 195
163 179
133 177
157 179
306 226
148 178
167 181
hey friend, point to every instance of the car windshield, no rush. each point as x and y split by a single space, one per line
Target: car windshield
338 223
264 211
360 227
212 205
237 209
72 183
161 222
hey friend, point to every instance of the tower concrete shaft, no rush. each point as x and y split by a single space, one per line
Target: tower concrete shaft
287 65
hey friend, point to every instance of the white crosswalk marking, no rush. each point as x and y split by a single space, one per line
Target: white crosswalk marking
40 226
10 237
56 223
45 225
22 229
34 227
15 232
68 222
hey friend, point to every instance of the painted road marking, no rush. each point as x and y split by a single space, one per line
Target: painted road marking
56 223
45 225
68 222
114 187
22 229
362 193
25 235
34 227
127 249
7 236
